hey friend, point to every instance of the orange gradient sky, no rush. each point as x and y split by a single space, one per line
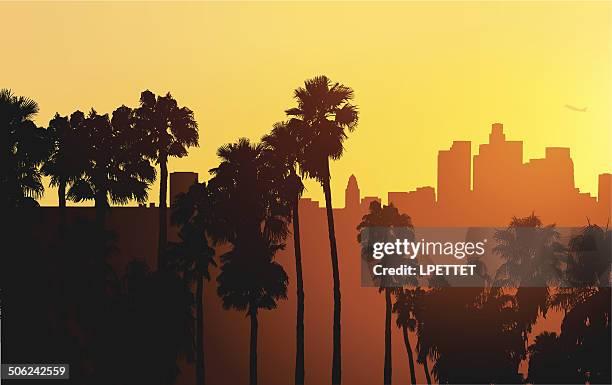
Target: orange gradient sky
424 74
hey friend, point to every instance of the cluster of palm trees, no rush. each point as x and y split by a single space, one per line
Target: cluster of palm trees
480 334
107 159
249 207
249 202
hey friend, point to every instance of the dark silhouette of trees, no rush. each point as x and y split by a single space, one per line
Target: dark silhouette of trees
550 362
68 156
170 131
283 151
532 260
471 334
323 116
117 168
155 325
192 257
416 309
404 308
25 147
254 220
582 350
386 224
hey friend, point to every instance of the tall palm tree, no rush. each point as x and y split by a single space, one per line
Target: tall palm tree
68 154
116 168
25 148
254 219
404 308
283 149
193 256
323 116
414 307
171 130
386 224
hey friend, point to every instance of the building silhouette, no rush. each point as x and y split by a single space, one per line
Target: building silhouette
504 186
351 194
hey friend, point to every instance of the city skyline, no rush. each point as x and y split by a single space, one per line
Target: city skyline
454 183
419 84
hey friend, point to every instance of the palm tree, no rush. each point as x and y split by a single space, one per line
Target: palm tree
193 256
171 130
67 157
25 148
386 224
254 219
283 149
250 280
117 169
420 311
404 308
532 261
322 116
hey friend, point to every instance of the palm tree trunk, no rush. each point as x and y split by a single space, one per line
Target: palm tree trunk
100 203
253 346
410 355
61 194
426 368
299 327
200 373
337 349
388 308
163 231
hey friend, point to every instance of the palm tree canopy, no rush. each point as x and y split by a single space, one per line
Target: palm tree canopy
404 307
117 166
246 194
250 279
26 147
386 224
283 151
250 215
590 257
170 129
68 154
323 115
531 252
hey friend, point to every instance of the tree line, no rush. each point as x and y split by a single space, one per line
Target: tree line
251 205
480 334
249 202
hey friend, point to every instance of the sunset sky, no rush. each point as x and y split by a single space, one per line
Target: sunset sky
424 74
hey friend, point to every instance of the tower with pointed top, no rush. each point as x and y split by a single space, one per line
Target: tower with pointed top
352 196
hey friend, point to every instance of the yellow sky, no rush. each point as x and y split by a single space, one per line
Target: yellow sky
424 74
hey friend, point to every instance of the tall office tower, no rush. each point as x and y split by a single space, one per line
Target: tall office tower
454 172
498 165
352 197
